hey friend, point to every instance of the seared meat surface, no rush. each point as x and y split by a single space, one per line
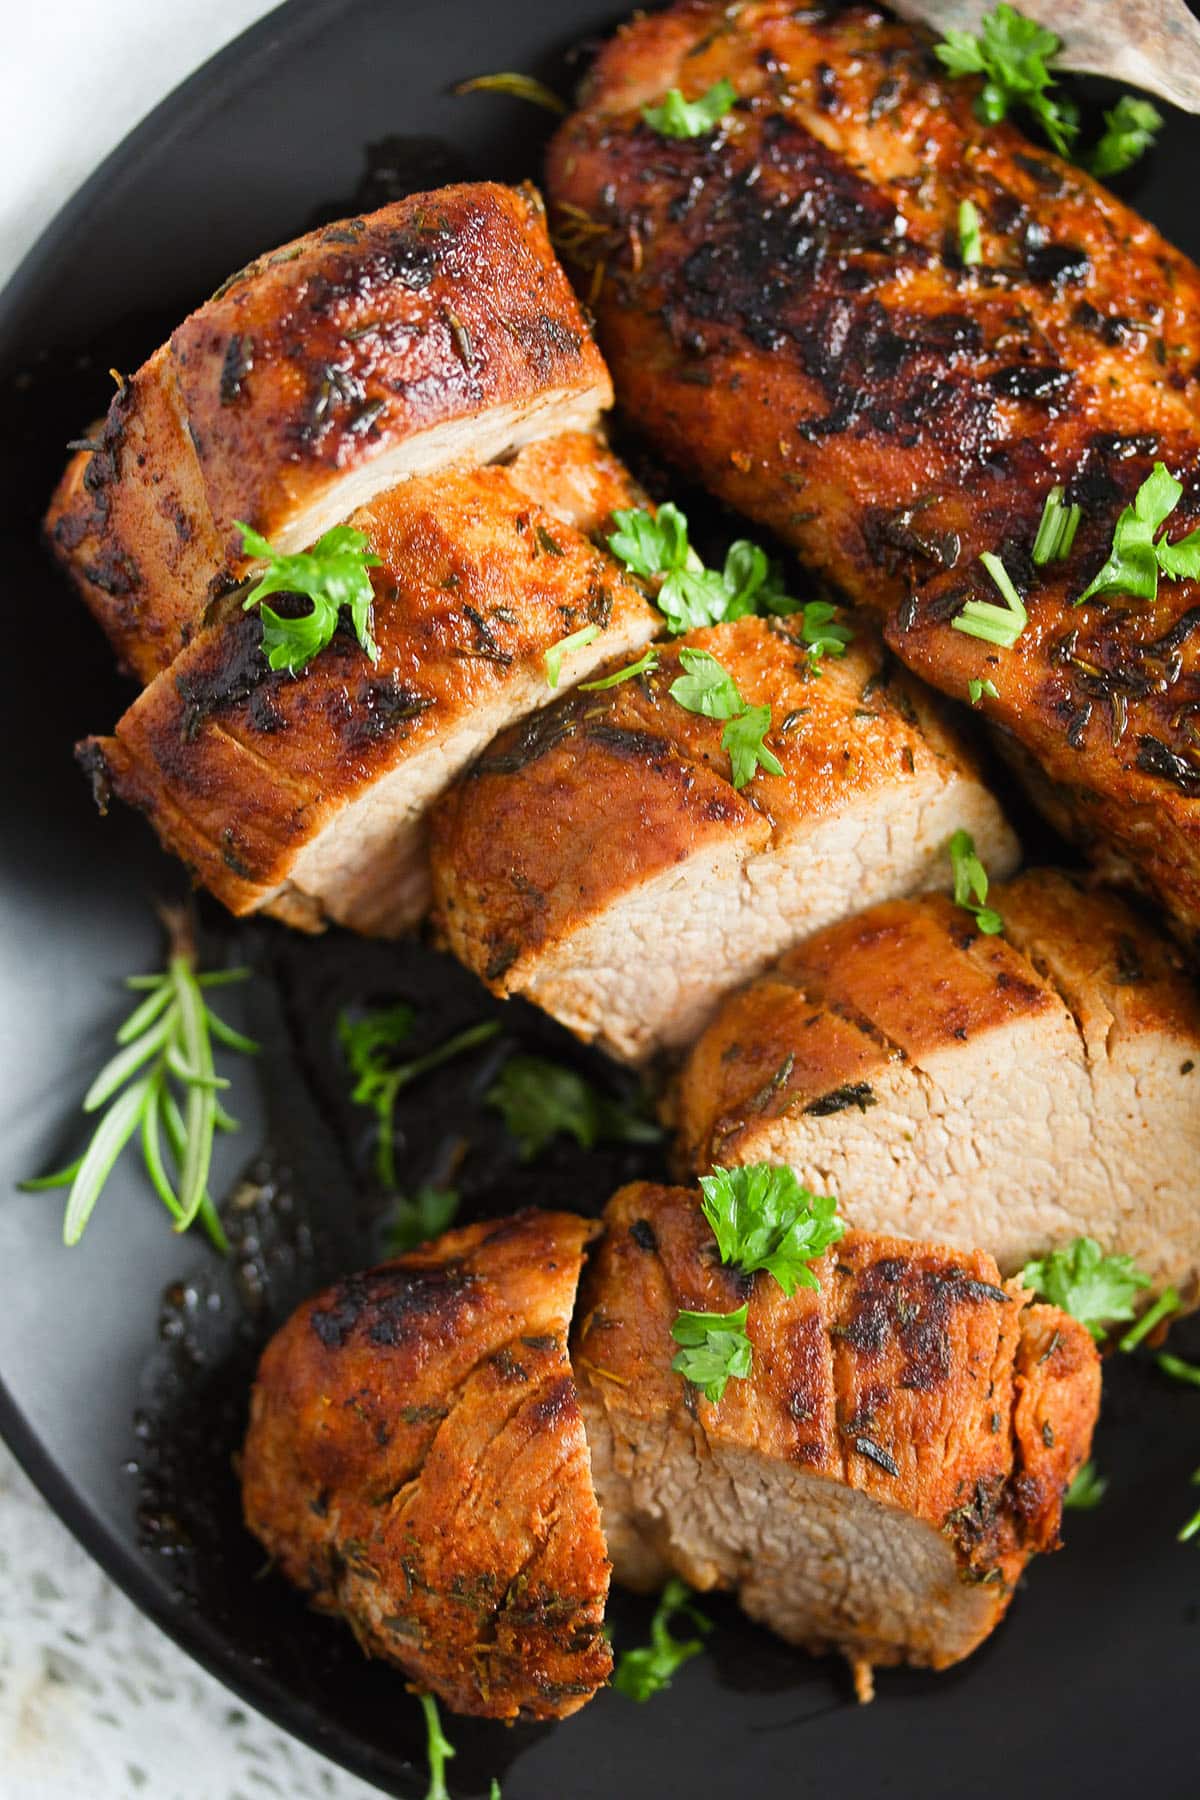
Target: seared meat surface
599 861
1011 1092
416 1463
305 796
436 332
880 1481
786 313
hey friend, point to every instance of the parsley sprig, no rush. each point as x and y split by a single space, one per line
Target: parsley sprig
333 574
1137 557
676 117
715 1348
644 1672
1013 55
763 1218
369 1043
1129 131
539 1100
708 688
162 1083
1097 1290
971 883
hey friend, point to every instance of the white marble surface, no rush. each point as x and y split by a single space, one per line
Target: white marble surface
95 1704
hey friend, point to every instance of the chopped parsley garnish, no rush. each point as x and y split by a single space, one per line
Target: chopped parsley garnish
415 1220
1190 1529
645 665
332 574
1097 1290
676 117
520 87
1087 1490
970 242
642 1673
1128 133
762 1218
707 688
1056 531
1164 1306
438 1749
1137 558
971 884
715 1347
823 637
539 1100
1001 625
1013 55
553 657
977 688
1179 1370
369 1044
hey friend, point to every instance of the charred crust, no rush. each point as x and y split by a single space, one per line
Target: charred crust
643 1234
853 1093
391 1306
92 760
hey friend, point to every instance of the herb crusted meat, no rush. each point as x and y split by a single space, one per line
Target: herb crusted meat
787 315
416 1463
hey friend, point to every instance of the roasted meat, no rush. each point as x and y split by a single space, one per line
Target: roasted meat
786 312
305 796
416 1463
1010 1093
896 1456
599 861
439 331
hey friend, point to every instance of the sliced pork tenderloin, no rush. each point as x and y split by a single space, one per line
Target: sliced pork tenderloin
305 796
416 1463
1009 1092
439 331
879 1482
599 861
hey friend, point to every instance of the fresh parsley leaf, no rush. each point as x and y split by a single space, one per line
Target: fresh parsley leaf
976 689
645 665
821 634
369 1044
970 240
762 1218
1056 530
1137 558
1013 55
651 544
1001 625
415 1220
692 598
1178 1370
680 118
539 1099
437 1748
743 739
553 657
1097 1290
715 1348
706 687
1087 1490
642 1673
1128 133
971 883
332 574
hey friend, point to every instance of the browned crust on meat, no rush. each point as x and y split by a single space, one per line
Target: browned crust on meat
416 1463
784 308
316 360
913 1375
239 767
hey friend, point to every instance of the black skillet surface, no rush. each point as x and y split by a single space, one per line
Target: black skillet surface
125 1362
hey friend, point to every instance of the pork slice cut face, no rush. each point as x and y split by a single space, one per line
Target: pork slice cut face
1012 1092
601 863
416 1463
439 331
305 796
880 1481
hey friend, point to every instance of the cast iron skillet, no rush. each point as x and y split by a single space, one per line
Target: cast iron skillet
125 1362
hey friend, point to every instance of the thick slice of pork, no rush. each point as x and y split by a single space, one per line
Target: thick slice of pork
1009 1092
599 861
880 1481
438 331
305 796
416 1463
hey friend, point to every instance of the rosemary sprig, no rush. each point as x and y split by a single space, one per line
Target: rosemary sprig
164 1053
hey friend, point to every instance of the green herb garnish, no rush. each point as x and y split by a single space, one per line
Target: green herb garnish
539 1100
640 1674
971 883
565 647
1097 1290
762 1218
970 242
438 1749
645 665
1001 625
676 117
369 1044
715 1347
418 1218
1013 55
976 689
1190 1529
1087 1490
1128 133
707 688
823 637
1056 530
332 574
163 1082
1137 559
1164 1306
1178 1369
520 87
